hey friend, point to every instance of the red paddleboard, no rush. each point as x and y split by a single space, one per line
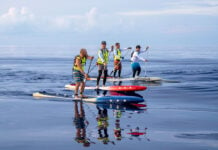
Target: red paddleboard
125 88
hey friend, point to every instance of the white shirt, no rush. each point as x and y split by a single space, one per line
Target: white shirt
136 58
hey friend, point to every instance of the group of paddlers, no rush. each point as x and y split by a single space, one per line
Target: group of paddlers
80 76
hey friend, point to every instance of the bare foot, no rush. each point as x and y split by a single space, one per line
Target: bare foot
76 96
83 96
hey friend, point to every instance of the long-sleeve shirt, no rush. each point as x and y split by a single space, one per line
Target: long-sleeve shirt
136 58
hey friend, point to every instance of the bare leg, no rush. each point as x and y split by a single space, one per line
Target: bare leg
76 89
82 88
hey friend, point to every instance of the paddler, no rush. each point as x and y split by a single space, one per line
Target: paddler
117 59
135 58
78 72
102 62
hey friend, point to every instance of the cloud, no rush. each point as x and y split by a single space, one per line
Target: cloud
16 16
78 22
194 3
206 7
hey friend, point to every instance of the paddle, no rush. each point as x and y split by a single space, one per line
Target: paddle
145 63
88 69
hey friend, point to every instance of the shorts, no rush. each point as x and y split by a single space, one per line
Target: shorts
117 65
102 67
78 76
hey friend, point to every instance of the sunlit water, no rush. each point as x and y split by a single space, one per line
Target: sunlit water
179 115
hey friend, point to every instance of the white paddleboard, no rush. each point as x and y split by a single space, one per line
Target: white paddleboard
146 79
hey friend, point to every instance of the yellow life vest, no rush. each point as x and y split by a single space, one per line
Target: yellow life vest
118 55
105 54
82 60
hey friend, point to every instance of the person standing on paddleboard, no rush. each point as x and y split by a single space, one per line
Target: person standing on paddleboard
78 72
103 58
117 59
135 58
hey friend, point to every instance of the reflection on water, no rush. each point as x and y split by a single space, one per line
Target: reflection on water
102 120
106 130
81 124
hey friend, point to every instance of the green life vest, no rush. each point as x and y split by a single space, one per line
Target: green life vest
82 60
118 55
105 54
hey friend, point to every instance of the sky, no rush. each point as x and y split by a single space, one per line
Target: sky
87 22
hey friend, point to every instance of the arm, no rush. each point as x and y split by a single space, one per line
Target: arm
100 55
145 50
137 56
128 48
112 48
90 57
115 52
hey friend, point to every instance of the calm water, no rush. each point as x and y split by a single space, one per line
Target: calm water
179 115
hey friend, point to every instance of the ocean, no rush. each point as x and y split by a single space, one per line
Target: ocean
181 112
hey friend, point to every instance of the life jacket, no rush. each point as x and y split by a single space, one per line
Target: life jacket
82 60
118 55
105 54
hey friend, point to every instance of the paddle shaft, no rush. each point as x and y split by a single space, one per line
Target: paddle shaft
88 69
145 66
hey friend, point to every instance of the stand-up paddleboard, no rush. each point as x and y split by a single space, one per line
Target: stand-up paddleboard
146 79
111 88
93 99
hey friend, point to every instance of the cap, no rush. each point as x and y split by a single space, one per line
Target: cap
103 42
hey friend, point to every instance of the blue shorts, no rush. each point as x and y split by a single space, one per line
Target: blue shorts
135 66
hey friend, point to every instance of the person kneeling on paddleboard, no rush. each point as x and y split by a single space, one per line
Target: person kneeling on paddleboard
103 58
135 58
117 59
78 72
